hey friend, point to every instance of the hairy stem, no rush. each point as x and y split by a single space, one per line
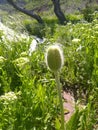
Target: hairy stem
60 99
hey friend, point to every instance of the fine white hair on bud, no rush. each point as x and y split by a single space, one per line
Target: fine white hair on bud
54 58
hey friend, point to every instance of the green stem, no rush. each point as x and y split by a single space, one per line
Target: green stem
60 99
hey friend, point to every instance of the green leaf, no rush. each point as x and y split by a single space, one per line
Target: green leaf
73 123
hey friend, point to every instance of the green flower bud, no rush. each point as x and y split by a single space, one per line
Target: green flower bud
54 58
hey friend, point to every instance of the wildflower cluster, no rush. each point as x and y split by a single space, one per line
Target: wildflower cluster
8 97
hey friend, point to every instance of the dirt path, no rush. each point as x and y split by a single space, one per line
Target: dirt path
69 105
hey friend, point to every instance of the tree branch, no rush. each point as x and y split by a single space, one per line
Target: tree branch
29 13
58 11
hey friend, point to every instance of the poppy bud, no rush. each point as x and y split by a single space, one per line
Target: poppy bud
54 58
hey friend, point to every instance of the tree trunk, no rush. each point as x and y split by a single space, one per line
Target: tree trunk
28 12
58 11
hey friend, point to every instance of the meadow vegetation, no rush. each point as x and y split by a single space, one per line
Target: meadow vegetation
28 93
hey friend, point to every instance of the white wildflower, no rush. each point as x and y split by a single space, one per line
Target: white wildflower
96 26
76 40
79 48
10 96
20 62
32 46
2 59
